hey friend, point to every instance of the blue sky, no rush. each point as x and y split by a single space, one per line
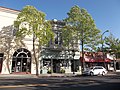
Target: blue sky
106 13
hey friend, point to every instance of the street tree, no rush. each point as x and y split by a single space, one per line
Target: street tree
81 27
6 44
35 26
113 47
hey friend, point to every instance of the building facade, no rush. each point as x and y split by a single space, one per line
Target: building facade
17 56
98 59
56 57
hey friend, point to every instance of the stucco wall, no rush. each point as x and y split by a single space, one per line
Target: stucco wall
7 18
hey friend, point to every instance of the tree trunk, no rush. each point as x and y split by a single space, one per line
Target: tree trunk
8 55
114 62
34 54
83 61
82 44
8 62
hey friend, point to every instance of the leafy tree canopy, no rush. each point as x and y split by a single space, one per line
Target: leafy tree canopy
81 26
113 44
31 21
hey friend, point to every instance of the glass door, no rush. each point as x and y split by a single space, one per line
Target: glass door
21 61
1 61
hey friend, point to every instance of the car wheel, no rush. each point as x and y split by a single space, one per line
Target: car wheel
103 73
91 73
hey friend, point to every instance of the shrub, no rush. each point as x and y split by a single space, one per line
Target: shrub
62 71
49 71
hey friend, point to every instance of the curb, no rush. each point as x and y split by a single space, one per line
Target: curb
25 76
26 85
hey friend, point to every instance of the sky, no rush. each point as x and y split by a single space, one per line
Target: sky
106 13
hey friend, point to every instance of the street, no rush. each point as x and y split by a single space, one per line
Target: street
111 82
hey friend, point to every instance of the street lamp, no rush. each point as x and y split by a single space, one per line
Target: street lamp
102 40
73 54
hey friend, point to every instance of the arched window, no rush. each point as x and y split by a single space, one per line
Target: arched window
21 61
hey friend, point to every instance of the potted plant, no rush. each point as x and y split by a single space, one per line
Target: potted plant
49 71
62 71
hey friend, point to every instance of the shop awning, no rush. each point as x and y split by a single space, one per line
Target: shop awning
87 59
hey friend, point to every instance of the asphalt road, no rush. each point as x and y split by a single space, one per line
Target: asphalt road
63 83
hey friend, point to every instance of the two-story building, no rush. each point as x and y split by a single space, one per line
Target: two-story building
17 57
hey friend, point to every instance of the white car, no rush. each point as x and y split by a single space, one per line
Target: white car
96 70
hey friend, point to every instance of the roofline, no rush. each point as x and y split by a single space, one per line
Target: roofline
9 10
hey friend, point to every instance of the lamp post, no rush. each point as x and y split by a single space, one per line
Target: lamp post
73 54
102 40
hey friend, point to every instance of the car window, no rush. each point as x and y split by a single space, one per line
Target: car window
98 68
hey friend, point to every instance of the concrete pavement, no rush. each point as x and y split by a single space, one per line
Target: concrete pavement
24 82
24 76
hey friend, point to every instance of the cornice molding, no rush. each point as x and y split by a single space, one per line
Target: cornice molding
8 10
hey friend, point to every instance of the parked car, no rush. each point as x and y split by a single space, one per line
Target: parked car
96 70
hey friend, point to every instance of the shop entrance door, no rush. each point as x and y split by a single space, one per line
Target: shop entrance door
1 61
56 66
21 61
21 64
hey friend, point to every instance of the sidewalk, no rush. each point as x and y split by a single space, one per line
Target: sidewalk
25 76
16 76
113 73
